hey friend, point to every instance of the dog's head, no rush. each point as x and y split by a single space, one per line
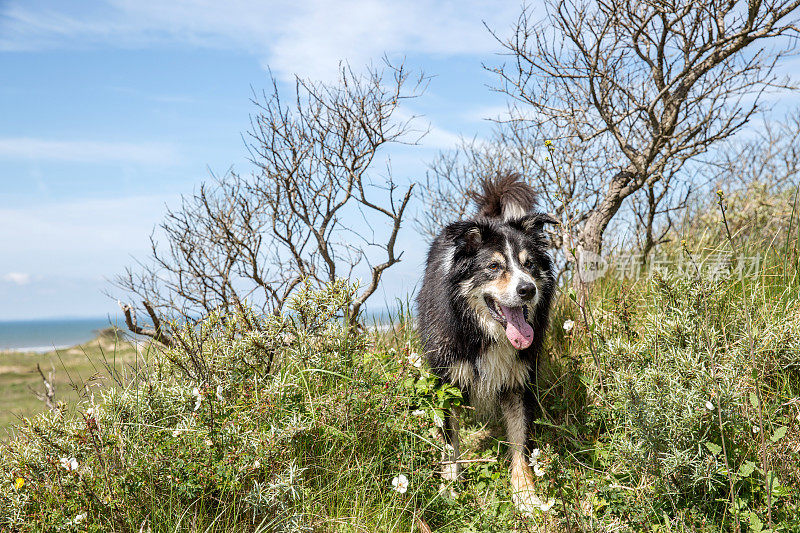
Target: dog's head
502 269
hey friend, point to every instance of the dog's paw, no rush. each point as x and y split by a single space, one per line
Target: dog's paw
527 501
523 494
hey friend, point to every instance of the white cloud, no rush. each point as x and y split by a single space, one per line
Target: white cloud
86 151
308 38
428 134
17 278
441 139
486 113
87 237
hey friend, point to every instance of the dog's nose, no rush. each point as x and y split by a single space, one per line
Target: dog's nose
526 290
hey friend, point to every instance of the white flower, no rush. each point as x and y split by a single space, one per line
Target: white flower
198 398
568 325
209 442
418 412
449 447
586 507
534 462
437 420
400 484
91 412
709 405
538 470
415 360
79 518
756 429
219 392
70 465
176 432
256 464
547 505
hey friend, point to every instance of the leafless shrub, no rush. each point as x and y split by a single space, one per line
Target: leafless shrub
314 209
628 93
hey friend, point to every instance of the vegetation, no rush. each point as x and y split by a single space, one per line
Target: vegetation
672 405
634 94
314 209
670 388
20 380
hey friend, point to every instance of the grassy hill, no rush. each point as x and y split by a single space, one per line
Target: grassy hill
71 368
674 408
673 404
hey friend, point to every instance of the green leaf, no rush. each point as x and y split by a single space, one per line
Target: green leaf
571 294
713 448
780 491
756 524
747 468
772 480
778 434
754 400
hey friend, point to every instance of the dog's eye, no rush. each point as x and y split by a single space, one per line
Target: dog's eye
528 264
494 266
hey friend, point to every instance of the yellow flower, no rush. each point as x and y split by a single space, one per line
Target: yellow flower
19 483
548 143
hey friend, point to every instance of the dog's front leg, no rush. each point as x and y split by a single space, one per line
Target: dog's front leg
451 453
517 418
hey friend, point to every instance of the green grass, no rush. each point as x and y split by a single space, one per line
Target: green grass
71 368
673 406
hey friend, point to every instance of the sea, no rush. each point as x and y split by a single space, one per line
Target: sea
46 335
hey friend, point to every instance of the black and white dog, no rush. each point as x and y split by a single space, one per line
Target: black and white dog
483 313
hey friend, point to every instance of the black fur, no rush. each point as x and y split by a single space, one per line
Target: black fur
501 191
450 328
447 326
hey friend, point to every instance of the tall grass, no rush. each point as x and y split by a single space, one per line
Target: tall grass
301 423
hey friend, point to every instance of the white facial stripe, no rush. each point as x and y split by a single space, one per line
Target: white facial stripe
518 275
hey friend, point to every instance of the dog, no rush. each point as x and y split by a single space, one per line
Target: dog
483 311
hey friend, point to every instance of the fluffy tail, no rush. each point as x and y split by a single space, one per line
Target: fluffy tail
505 196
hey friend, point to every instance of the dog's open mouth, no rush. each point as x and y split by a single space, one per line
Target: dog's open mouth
514 320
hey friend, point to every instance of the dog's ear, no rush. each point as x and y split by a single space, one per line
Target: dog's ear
534 223
467 235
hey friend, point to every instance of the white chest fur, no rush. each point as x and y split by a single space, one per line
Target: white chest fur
497 368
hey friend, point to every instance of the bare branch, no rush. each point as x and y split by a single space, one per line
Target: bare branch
49 394
628 94
249 240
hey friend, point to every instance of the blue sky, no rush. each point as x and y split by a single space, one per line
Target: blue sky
112 109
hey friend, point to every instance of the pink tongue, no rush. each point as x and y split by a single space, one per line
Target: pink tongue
518 331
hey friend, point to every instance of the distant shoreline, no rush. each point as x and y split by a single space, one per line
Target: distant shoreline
41 336
36 349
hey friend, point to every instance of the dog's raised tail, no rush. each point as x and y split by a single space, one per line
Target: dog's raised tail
504 196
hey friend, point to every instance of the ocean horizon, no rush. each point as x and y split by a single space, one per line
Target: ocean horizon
44 335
